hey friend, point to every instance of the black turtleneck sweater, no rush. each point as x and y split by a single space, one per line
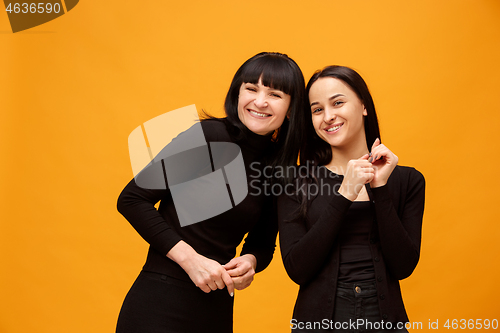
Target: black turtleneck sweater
215 238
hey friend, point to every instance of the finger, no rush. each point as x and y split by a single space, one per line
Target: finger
379 148
228 281
368 169
364 157
375 143
205 288
378 153
240 270
384 152
219 283
237 282
363 166
243 282
231 264
212 285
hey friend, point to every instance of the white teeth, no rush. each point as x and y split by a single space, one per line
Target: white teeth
259 114
331 129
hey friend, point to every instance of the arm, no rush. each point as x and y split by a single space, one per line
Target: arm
136 203
258 249
400 236
261 240
304 251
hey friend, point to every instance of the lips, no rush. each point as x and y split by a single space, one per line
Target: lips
333 128
257 114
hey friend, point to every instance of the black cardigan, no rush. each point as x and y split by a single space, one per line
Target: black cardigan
217 237
310 250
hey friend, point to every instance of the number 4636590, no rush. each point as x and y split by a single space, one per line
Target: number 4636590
471 324
33 8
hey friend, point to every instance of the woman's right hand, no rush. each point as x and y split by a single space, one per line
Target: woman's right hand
206 274
359 172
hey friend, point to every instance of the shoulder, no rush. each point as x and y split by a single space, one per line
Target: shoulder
410 174
215 129
408 180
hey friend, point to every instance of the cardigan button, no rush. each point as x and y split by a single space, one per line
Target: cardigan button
377 259
329 299
385 316
382 297
379 278
373 240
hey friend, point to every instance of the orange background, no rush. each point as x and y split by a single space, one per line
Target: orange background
73 89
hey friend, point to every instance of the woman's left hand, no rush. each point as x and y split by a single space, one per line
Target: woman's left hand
384 161
242 269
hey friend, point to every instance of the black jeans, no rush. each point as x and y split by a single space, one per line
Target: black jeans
357 310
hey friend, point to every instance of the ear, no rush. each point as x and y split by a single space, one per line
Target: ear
365 113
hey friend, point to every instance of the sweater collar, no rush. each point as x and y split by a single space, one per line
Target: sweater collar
255 142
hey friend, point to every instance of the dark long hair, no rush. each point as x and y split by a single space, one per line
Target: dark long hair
315 151
277 71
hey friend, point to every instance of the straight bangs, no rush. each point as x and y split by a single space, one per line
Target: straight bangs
275 73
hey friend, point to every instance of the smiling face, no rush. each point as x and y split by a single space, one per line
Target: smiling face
262 109
337 113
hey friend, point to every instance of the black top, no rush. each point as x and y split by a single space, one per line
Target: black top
215 238
356 262
311 253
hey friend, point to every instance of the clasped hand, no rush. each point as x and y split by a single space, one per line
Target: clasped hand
209 275
374 169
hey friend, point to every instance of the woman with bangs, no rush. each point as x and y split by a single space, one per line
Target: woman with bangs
188 281
352 230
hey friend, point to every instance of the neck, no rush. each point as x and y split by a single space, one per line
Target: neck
342 155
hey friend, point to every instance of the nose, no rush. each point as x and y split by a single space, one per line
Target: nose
261 100
329 115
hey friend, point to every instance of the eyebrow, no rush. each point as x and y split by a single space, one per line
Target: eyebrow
331 98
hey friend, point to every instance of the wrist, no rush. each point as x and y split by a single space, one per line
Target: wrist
182 253
349 195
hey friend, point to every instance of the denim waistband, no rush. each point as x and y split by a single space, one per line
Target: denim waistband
349 285
357 289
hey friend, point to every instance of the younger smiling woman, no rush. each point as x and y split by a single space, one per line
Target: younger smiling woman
353 228
190 273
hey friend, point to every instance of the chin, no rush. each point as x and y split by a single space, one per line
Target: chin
257 128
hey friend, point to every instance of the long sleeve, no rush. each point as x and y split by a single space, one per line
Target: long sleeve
305 250
400 234
215 237
261 240
136 204
137 200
